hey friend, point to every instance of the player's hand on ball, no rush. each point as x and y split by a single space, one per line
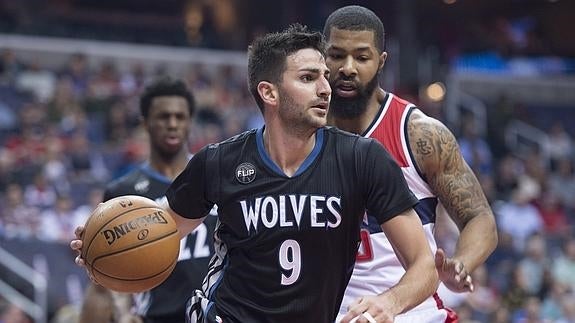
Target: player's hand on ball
76 245
452 273
369 309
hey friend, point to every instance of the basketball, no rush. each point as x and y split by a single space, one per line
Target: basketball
130 244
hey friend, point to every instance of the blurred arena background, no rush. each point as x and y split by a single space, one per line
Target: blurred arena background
499 73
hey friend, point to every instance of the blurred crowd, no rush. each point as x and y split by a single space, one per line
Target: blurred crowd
65 133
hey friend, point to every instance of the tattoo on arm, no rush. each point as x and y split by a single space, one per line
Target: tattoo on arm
452 180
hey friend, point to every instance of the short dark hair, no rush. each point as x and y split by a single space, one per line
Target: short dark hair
356 18
267 55
165 86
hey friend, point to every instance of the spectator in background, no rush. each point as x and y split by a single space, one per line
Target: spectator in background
530 312
86 163
501 315
38 81
551 305
567 309
519 217
536 169
40 193
534 263
474 148
57 222
10 67
8 171
55 165
561 182
484 300
502 262
77 70
515 295
27 144
559 144
133 81
509 169
63 101
83 211
553 214
17 219
563 268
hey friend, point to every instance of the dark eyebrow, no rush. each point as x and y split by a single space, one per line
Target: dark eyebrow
314 70
358 49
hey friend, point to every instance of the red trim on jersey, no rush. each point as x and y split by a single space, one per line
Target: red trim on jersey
365 251
451 315
389 129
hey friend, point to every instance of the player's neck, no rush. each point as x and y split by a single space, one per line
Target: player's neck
169 167
288 150
360 124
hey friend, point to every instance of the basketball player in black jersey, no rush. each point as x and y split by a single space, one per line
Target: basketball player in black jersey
291 197
167 108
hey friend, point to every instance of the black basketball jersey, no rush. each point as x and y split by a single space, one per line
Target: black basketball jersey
166 303
286 246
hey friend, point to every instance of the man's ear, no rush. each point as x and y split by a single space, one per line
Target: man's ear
382 59
268 92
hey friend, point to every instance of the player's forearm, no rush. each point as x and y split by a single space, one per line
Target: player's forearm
185 225
476 242
418 283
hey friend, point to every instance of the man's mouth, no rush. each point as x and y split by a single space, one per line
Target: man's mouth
173 141
346 89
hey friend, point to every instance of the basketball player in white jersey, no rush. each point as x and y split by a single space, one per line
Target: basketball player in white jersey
428 155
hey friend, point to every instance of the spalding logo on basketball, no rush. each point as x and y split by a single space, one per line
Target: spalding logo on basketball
130 244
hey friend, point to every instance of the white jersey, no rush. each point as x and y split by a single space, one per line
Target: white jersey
377 267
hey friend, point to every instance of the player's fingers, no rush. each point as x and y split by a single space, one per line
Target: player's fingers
460 273
356 306
79 261
440 260
76 244
459 267
469 283
368 317
79 231
354 311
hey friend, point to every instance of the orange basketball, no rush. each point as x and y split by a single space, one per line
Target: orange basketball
130 244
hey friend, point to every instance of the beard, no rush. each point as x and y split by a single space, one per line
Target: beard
350 108
296 115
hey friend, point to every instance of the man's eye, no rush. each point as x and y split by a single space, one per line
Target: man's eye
306 78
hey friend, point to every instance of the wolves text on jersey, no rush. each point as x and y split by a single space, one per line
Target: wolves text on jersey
288 211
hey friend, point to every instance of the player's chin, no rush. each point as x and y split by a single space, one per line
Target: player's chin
320 113
320 121
171 149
